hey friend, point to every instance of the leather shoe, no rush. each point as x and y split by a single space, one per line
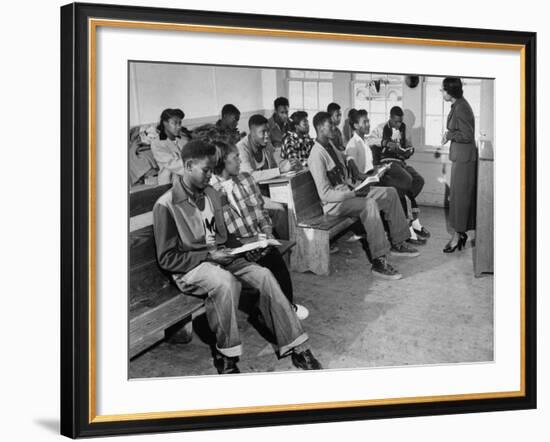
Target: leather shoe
225 364
305 360
417 242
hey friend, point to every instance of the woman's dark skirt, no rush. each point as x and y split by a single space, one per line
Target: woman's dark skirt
462 197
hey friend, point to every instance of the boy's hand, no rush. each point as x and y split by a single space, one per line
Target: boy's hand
363 191
255 255
220 257
295 164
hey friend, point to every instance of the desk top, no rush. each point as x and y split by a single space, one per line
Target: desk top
283 178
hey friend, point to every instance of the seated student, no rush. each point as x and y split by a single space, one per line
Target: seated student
230 120
258 154
167 147
357 150
393 145
278 123
332 180
190 236
245 215
347 131
335 112
296 142
258 159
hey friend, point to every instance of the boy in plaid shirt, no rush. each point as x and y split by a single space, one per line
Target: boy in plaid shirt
245 215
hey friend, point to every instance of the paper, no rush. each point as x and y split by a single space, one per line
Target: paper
254 245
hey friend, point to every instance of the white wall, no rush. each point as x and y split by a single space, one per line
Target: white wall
200 91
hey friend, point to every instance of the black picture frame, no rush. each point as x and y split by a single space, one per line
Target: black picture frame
76 420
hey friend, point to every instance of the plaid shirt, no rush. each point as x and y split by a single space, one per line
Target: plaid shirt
295 146
243 206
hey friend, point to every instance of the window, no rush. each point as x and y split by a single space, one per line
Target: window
310 91
436 109
377 93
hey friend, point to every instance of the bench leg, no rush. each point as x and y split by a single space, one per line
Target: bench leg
312 251
180 333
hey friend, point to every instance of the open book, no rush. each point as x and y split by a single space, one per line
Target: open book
254 245
374 177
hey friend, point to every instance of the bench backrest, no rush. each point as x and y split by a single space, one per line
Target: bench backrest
307 204
143 198
141 240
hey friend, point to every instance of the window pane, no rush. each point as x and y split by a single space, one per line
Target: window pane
325 95
472 93
296 74
295 94
366 77
377 119
434 131
434 100
446 110
360 96
378 104
312 74
326 75
310 95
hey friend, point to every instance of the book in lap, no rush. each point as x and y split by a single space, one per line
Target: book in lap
262 244
373 176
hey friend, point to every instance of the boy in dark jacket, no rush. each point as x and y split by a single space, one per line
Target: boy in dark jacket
390 143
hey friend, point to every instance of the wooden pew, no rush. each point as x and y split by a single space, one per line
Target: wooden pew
314 229
157 308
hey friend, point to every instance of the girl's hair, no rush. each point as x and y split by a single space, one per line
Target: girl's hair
222 139
354 115
165 116
453 86
296 118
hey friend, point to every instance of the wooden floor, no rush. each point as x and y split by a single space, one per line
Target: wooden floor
438 313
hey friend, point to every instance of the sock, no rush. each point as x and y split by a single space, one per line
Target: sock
416 224
413 234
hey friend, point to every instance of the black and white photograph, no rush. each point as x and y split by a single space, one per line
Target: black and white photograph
291 219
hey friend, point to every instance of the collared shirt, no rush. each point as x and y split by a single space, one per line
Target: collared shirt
338 140
244 212
167 154
233 131
296 146
358 149
266 169
276 130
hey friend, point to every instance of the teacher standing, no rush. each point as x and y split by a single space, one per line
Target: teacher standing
463 155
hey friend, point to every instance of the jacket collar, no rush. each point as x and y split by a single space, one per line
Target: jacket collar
181 194
458 100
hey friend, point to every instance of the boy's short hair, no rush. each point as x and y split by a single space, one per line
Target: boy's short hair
355 115
256 120
230 109
320 118
333 107
298 116
197 150
396 111
281 101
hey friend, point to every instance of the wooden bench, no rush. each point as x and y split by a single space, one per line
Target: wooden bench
314 229
157 308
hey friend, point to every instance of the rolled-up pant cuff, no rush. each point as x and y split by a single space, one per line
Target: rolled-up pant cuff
283 350
231 352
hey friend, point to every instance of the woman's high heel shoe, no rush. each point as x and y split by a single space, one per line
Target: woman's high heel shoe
461 242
